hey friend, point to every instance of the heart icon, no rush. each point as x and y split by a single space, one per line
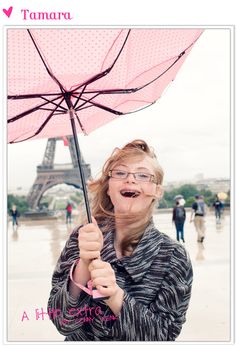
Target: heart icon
8 12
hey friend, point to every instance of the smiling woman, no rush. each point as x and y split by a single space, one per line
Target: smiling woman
144 276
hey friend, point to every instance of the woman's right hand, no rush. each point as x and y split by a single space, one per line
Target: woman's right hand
90 241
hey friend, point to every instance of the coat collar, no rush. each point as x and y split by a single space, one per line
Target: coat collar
140 261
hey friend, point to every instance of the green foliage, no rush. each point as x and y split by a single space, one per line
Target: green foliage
45 201
189 201
77 197
188 191
20 202
60 204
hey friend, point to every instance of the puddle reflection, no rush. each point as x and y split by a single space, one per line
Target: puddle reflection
15 234
200 252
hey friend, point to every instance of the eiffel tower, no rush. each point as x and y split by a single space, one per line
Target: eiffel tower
50 174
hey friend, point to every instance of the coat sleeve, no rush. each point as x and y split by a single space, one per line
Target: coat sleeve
62 306
162 320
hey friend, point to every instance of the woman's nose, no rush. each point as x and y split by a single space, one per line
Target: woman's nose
130 178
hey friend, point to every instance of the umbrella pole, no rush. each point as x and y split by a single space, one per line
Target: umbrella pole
96 295
77 149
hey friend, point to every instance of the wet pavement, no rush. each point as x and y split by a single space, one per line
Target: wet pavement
33 250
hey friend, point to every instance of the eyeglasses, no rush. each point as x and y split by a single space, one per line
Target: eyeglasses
123 174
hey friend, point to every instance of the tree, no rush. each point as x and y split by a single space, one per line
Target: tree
188 191
20 202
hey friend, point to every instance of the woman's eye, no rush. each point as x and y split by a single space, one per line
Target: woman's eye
120 173
143 175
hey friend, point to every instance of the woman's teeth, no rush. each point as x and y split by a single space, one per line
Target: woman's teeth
130 194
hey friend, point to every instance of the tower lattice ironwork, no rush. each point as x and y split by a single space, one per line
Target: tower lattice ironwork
50 174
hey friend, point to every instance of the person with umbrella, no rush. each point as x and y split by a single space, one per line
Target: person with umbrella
145 276
85 79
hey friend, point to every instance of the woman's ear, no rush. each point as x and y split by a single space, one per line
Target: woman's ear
159 192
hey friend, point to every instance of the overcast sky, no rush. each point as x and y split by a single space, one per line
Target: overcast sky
189 126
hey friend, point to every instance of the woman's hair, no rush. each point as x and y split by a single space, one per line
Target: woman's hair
102 207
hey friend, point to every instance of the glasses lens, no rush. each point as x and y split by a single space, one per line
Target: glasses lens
143 176
119 174
122 174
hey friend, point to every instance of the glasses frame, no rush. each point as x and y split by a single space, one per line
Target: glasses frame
152 177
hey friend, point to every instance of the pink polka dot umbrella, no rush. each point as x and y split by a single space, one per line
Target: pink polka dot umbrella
68 81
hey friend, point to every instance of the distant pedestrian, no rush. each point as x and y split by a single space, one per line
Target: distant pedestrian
219 206
68 212
15 215
199 212
178 217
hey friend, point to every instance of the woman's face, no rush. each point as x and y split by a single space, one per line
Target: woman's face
130 195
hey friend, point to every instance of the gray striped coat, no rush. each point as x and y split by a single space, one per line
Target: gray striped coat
156 280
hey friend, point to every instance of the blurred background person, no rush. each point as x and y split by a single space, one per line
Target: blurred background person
198 217
68 212
178 217
218 205
15 215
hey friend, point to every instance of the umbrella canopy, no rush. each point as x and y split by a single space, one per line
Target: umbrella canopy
177 197
182 202
222 195
64 81
100 74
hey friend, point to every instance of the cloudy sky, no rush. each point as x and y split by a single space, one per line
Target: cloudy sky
189 126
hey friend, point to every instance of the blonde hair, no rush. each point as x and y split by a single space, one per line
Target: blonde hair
102 207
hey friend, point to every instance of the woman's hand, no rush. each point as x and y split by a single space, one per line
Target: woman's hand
90 241
103 278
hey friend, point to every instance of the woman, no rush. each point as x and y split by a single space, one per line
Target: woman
144 275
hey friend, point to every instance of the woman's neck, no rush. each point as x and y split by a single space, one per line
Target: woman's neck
123 230
120 234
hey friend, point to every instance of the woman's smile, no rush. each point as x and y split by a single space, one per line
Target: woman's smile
130 193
